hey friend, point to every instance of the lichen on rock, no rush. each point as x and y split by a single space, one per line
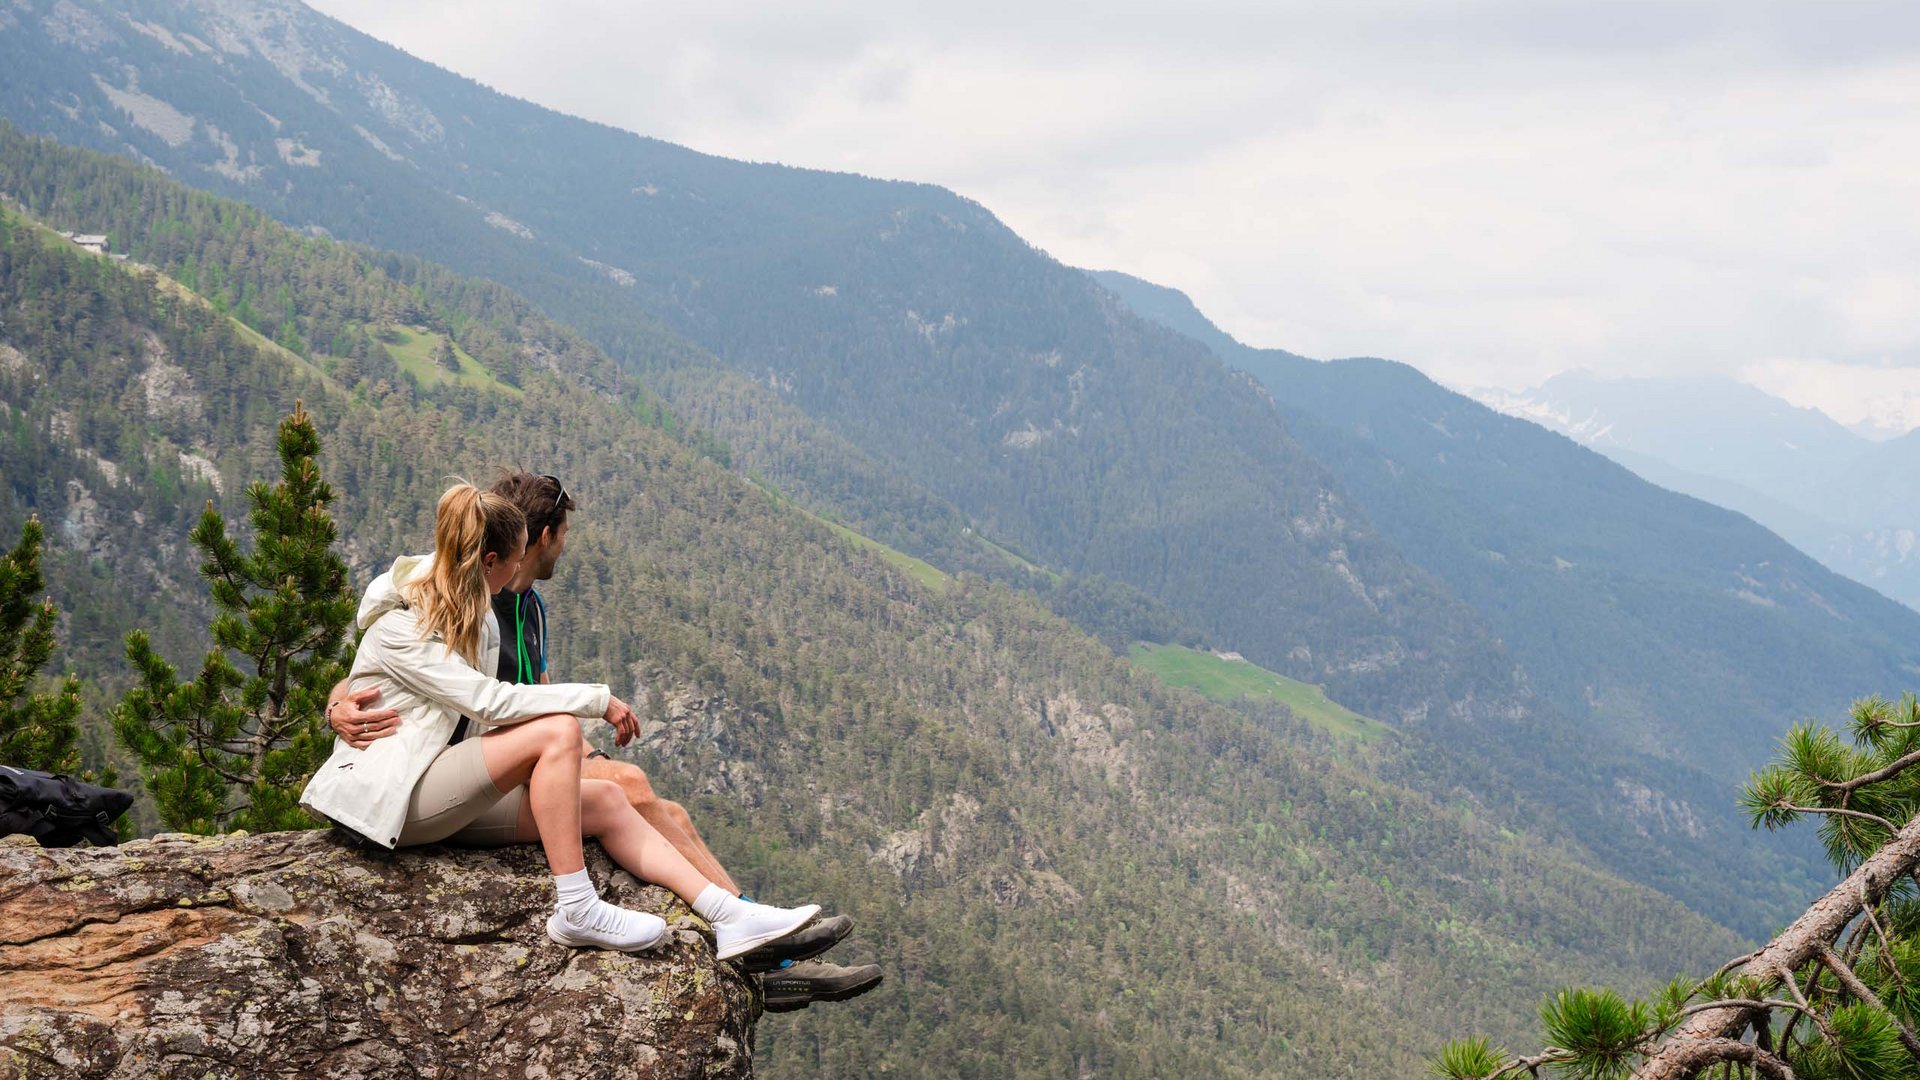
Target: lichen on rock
301 954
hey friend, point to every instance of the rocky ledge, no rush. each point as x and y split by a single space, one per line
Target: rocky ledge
300 954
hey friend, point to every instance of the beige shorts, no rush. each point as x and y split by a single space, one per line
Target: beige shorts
456 801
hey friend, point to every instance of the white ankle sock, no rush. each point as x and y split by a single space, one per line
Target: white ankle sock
577 895
714 904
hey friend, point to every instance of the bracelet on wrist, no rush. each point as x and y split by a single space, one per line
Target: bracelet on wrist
598 753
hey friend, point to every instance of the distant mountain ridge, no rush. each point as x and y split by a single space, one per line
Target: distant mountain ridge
1711 424
1846 500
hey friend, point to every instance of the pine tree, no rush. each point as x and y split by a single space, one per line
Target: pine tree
232 749
444 355
37 731
1836 994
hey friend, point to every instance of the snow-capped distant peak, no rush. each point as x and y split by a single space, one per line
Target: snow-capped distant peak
1590 429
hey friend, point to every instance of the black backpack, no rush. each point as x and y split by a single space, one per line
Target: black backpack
58 811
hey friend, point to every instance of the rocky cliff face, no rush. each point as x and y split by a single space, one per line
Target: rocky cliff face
298 954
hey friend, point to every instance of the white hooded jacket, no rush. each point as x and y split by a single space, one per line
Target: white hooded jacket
431 687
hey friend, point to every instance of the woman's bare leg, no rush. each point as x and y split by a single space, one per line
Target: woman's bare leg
543 754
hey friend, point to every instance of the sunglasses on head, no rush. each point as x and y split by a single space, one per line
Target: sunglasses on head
561 490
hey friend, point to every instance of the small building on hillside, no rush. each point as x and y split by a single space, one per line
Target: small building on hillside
94 243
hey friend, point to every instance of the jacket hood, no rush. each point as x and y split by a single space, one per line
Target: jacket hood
385 593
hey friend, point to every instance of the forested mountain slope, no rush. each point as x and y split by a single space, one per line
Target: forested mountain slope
964 376
1065 866
915 325
1687 629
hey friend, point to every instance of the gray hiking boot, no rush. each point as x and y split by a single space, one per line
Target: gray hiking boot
797 986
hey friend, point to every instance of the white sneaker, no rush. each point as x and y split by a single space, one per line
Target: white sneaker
757 924
609 927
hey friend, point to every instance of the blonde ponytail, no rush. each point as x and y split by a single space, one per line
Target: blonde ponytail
452 601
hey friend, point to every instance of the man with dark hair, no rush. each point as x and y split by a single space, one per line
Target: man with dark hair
792 979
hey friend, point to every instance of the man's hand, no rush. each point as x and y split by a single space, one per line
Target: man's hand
353 721
625 724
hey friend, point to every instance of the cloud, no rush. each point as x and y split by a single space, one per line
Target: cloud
1493 190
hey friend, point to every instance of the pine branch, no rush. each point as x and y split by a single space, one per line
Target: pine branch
1887 772
1689 1048
1756 1004
1837 811
1886 947
200 751
1806 1007
1690 1058
1865 993
1552 1055
1786 1035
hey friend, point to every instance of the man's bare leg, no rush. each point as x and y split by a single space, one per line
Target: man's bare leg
670 819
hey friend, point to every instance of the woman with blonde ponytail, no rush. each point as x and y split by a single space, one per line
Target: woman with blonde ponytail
428 622
469 526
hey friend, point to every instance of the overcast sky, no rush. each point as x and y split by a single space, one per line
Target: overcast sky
1491 191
